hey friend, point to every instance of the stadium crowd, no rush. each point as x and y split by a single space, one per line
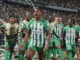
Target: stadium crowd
73 4
20 12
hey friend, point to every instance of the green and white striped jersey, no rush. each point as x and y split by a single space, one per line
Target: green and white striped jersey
38 29
70 34
58 30
78 29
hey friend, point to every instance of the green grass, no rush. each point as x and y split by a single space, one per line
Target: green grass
59 58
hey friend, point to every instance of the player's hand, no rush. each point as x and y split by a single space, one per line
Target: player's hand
53 41
47 48
21 46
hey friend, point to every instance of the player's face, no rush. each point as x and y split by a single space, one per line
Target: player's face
28 17
70 22
37 13
12 20
60 20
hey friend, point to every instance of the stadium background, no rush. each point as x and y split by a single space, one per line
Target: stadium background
64 8
50 8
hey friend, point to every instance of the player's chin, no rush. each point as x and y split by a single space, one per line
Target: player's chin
36 16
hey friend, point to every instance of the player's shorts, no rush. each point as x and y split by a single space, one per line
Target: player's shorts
51 42
70 47
10 44
57 42
37 49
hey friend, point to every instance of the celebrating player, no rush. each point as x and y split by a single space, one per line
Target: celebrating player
58 30
50 51
37 28
11 37
70 34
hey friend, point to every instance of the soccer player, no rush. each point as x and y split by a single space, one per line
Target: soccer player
50 51
58 30
11 37
23 29
37 28
70 35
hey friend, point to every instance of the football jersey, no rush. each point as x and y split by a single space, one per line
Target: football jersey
25 22
38 29
58 29
70 34
11 29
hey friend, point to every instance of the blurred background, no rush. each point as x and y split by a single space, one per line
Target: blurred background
50 8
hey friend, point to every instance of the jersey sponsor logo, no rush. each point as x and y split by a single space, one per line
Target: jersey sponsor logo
12 30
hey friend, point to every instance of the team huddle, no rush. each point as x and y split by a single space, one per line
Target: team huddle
39 35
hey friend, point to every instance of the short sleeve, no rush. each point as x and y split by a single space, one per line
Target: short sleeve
47 26
29 24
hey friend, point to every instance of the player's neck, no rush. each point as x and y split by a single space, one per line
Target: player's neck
38 19
71 25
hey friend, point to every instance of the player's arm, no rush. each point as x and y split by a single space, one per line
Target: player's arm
48 33
27 36
48 39
25 39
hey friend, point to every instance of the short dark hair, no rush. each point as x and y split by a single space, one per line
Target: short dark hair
11 16
72 19
38 8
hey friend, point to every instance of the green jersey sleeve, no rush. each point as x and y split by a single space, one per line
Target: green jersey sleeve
29 24
47 26
22 25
